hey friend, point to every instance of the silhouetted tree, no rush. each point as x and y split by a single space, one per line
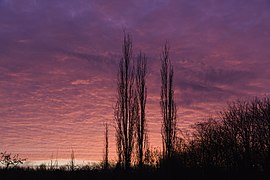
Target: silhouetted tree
264 129
126 109
72 161
240 127
238 139
141 88
167 104
11 160
208 139
106 155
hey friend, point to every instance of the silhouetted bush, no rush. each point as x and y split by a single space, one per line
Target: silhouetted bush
9 160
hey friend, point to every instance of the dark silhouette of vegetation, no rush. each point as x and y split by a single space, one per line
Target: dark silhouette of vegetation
238 139
167 104
72 161
53 163
141 88
233 145
152 157
9 160
106 155
126 108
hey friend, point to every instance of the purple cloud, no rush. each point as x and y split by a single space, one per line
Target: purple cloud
58 65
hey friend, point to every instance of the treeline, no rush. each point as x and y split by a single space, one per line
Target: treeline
239 138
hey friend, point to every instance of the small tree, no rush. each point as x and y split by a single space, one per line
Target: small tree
106 155
72 161
11 160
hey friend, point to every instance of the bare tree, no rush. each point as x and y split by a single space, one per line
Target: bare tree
141 72
8 160
72 161
126 109
264 129
167 104
239 138
106 155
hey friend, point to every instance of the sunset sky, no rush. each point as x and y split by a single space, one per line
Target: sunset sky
59 58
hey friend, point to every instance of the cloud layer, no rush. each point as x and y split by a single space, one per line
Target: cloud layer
58 65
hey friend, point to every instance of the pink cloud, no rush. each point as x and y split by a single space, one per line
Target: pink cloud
58 66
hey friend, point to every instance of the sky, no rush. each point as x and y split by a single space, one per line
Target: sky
59 59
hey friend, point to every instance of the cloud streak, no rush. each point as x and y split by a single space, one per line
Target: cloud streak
58 66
